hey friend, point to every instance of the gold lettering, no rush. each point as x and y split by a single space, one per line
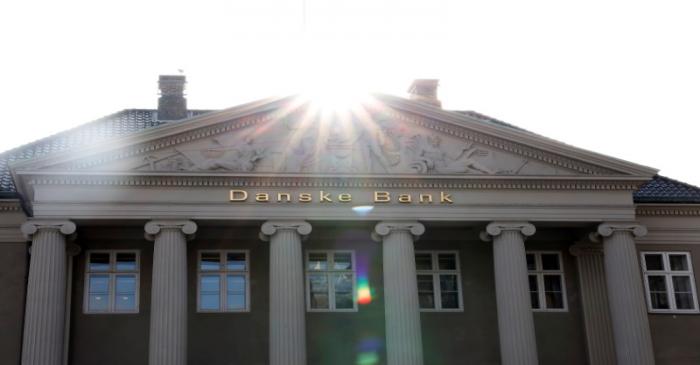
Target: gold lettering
287 197
445 198
238 195
304 197
425 198
404 198
324 197
262 197
345 197
382 197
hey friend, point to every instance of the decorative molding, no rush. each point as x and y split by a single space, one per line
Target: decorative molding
315 181
668 210
607 229
153 228
269 228
383 229
29 228
10 206
496 228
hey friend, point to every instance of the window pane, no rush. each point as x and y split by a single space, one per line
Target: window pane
342 283
449 300
210 261
659 301
424 261
125 293
342 261
654 261
235 292
98 293
448 283
99 261
678 262
318 283
657 283
531 265
317 261
426 297
534 297
555 300
447 261
235 284
209 292
126 261
682 284
235 302
550 261
319 300
684 301
235 261
552 283
343 300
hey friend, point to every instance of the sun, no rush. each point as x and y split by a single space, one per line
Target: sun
334 94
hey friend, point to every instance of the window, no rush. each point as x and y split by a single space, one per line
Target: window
546 279
439 281
669 282
330 281
223 281
111 282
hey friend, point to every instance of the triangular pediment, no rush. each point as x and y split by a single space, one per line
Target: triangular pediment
387 136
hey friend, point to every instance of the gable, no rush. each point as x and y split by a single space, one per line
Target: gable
390 136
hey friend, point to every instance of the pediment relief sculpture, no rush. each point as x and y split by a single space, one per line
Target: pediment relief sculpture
377 145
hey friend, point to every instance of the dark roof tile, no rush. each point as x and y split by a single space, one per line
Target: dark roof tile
662 189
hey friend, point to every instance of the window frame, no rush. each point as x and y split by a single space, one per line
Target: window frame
112 273
222 272
435 273
540 273
668 274
331 284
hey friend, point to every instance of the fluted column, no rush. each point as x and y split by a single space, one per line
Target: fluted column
404 344
516 327
625 293
168 336
287 311
594 300
44 315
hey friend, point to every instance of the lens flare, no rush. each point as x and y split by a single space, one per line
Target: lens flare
363 209
368 351
364 293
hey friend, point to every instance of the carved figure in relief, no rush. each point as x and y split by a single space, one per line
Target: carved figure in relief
429 156
300 158
238 158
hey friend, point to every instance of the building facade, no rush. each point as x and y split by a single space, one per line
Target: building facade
394 232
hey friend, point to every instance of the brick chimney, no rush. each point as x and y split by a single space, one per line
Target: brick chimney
172 104
425 91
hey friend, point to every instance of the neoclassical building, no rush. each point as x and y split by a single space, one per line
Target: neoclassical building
392 232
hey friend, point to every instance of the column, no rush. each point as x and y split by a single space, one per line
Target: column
287 310
594 300
516 327
44 315
628 310
168 336
404 344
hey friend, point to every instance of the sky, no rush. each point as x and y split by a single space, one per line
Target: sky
618 77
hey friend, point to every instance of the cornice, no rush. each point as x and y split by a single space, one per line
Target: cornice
338 181
10 206
678 210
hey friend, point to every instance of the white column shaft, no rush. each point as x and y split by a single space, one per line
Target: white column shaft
404 344
287 311
516 326
46 297
168 337
628 311
596 312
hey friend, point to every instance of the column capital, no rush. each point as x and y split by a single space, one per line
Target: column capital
382 229
607 229
31 227
494 229
586 249
269 228
153 228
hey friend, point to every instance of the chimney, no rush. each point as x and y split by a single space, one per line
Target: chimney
172 104
425 91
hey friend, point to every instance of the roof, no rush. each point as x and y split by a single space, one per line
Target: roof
659 190
662 189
